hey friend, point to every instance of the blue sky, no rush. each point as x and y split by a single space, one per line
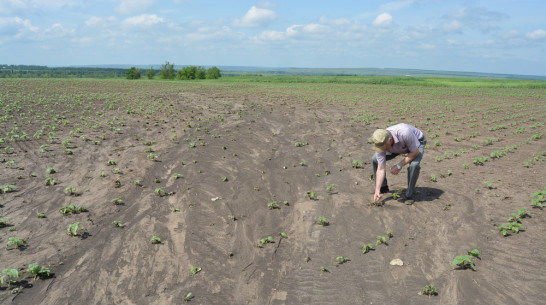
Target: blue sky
500 36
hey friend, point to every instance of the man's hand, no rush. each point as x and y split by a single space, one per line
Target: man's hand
394 170
376 196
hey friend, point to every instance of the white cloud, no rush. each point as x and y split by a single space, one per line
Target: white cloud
272 36
256 17
383 20
143 21
57 30
453 26
426 46
335 22
537 34
16 26
479 18
100 21
133 6
25 7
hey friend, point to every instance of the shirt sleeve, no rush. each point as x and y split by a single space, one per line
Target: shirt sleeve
381 157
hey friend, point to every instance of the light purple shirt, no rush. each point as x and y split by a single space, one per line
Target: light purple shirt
406 139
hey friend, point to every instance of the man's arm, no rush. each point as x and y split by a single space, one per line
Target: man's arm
379 177
410 157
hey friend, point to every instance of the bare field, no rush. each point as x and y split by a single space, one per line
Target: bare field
212 169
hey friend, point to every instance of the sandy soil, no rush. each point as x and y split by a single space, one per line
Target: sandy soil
245 156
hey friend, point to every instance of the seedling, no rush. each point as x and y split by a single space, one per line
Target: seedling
188 297
39 271
9 276
111 162
74 229
71 190
155 240
159 192
331 188
72 209
178 175
464 262
475 253
273 205
321 220
176 210
300 144
137 182
514 226
51 170
358 164
376 203
538 198
8 188
395 196
117 201
312 195
286 203
40 215
118 224
429 290
342 259
367 248
479 160
381 240
15 243
489 184
433 178
153 156
324 269
265 240
283 235
50 181
3 222
194 270
224 179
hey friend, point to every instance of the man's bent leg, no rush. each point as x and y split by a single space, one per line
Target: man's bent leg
414 169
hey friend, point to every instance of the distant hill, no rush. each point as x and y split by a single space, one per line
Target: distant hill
116 70
246 70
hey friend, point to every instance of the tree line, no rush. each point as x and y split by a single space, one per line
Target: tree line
32 71
167 72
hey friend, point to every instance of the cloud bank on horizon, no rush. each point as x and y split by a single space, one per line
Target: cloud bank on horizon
502 36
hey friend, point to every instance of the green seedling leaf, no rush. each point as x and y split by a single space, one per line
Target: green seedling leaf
342 259
475 253
188 297
381 240
429 290
323 221
155 240
367 248
194 270
39 271
273 205
464 262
